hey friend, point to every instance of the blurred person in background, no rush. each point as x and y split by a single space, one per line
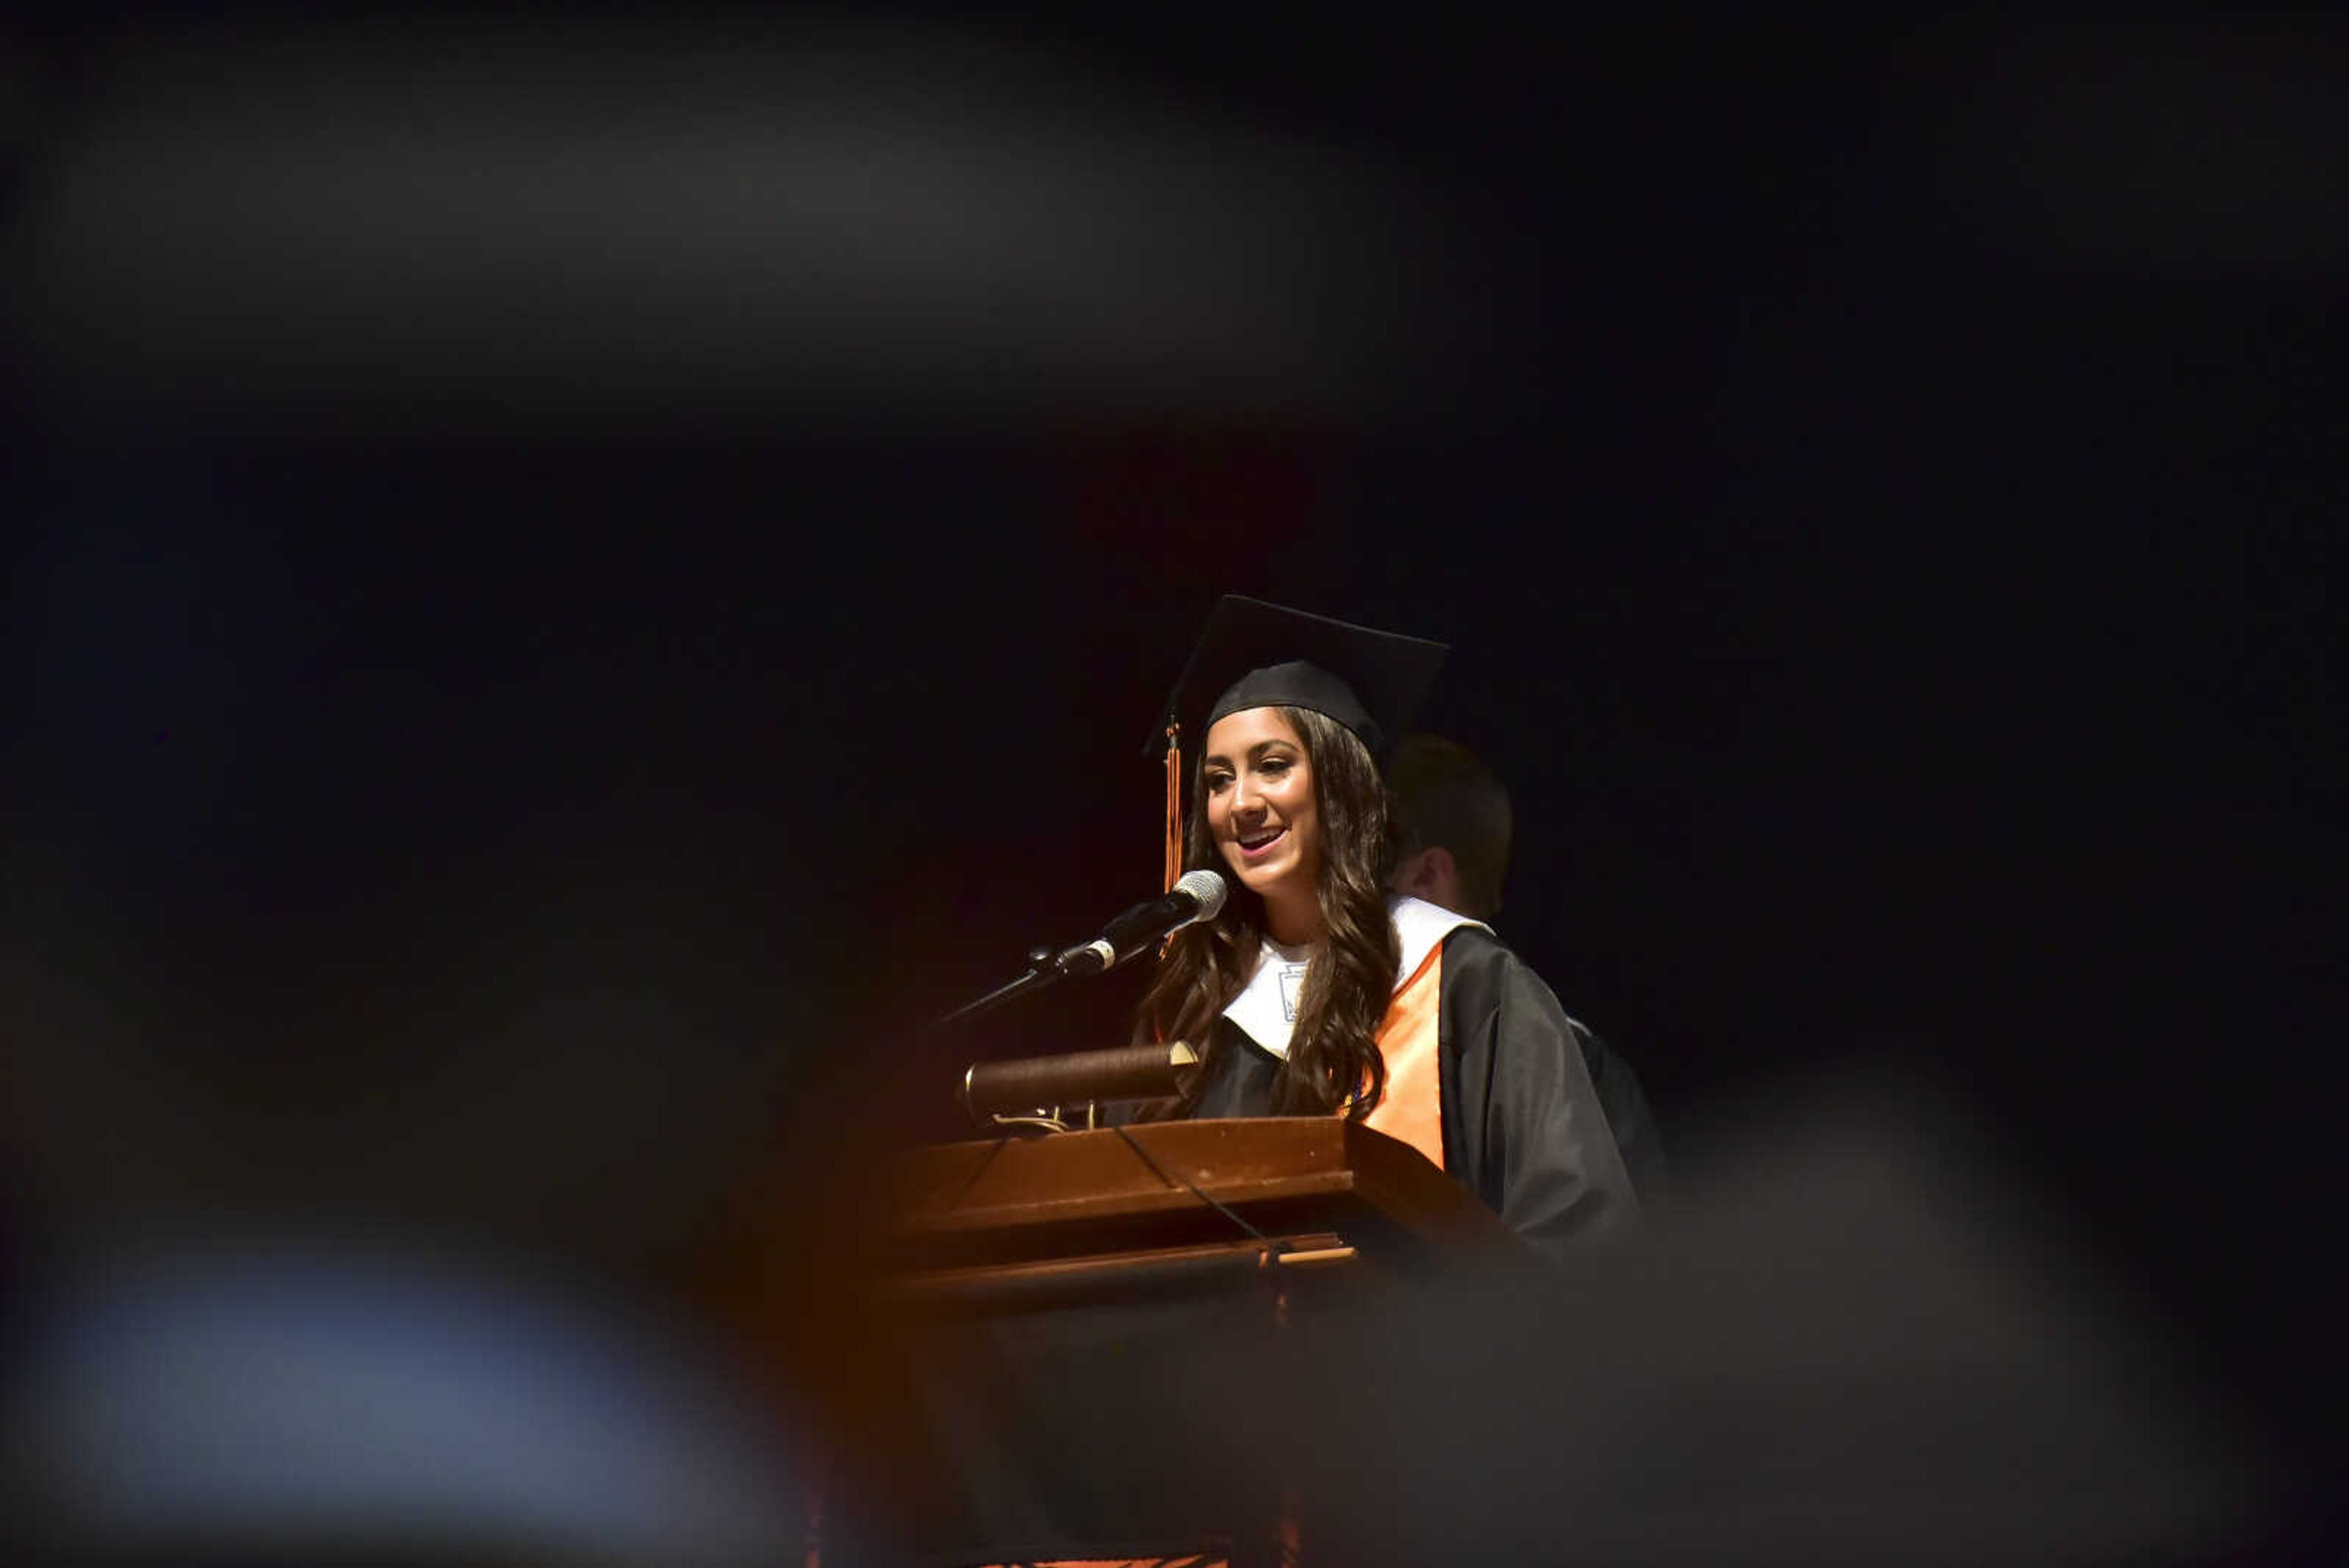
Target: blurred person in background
1456 829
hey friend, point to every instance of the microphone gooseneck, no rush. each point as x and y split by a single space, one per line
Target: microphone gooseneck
1197 896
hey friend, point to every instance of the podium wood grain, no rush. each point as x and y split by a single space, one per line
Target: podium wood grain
1092 1196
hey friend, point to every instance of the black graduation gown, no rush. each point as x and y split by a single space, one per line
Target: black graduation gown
1634 1125
1524 1129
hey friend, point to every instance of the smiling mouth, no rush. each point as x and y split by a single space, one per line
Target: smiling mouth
1257 843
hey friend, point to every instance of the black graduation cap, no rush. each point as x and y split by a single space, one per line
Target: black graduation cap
1257 654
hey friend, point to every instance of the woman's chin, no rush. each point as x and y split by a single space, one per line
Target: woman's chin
1266 881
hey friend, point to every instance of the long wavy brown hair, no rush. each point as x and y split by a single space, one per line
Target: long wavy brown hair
1333 1054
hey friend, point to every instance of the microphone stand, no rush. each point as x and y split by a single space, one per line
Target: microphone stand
1043 971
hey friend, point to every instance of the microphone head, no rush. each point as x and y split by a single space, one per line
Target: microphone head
1208 888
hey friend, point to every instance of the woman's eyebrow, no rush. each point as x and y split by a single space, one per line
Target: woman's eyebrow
1254 752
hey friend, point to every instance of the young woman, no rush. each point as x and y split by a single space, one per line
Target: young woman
1314 992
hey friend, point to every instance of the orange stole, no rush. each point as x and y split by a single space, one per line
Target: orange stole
1410 1039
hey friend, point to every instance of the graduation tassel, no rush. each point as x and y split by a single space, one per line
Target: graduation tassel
1174 804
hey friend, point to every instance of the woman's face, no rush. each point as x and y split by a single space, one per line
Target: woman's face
1259 789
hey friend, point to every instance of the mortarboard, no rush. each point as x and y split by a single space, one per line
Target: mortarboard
1253 654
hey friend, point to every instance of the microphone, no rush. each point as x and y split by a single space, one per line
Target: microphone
1196 897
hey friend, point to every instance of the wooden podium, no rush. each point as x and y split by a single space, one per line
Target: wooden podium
1101 1344
1112 1208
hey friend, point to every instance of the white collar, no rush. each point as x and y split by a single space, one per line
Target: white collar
1266 1008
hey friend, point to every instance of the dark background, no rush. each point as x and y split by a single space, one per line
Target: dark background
552 637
